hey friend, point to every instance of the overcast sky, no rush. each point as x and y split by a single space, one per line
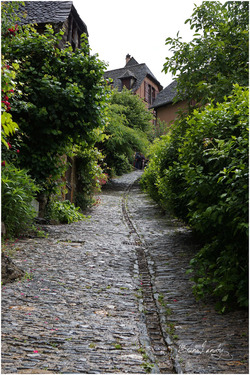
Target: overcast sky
136 27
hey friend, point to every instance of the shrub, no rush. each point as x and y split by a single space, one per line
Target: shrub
64 212
201 172
90 176
18 191
126 132
61 104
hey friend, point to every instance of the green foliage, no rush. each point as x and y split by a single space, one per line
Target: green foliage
133 109
160 128
8 70
217 57
63 100
157 156
128 121
64 212
9 127
90 176
18 191
200 171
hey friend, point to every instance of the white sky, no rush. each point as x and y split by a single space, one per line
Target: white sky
137 27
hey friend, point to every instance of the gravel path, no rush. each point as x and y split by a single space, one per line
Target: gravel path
87 302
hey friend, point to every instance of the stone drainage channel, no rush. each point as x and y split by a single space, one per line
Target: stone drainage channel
163 354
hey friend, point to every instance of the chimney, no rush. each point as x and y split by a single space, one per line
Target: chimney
128 58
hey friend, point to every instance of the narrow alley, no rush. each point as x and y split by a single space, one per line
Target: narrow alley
110 294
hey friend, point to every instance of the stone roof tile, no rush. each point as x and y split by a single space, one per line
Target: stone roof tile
138 71
54 12
165 96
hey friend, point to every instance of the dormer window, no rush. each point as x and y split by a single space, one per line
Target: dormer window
128 79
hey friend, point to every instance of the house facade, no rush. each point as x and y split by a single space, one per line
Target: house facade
135 77
164 107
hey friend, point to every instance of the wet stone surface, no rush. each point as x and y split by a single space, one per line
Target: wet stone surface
80 307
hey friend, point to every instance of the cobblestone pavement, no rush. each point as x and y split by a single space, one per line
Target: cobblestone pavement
202 340
107 294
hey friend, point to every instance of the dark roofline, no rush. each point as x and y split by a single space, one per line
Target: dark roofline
155 80
166 96
62 14
79 21
149 74
124 68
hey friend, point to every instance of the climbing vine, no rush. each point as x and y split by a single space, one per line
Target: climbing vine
62 104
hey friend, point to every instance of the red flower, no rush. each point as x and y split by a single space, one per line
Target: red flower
9 145
18 151
3 163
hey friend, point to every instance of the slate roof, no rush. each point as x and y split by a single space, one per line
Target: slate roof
131 62
131 69
128 74
54 12
165 96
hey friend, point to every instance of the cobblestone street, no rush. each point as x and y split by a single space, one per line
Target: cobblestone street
110 294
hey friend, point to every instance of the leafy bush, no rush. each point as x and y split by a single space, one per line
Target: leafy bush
133 109
62 99
18 191
90 176
9 127
152 173
64 212
126 132
201 172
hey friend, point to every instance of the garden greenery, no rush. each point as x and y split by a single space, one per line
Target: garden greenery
53 104
217 58
62 103
56 100
18 191
128 130
199 170
90 176
64 212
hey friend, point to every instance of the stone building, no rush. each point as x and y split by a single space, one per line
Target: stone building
60 14
135 77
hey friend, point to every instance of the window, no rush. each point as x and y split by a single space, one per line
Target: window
153 94
126 82
149 93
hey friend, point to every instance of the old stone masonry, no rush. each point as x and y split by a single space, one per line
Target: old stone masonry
110 294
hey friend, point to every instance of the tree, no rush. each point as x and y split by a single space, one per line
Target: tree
126 132
200 169
133 108
207 67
